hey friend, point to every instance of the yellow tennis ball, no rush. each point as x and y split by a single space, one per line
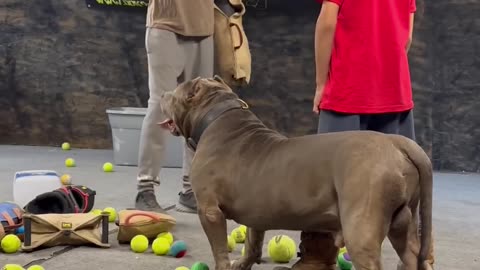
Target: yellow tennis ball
35 267
231 243
243 228
238 235
160 246
70 162
108 167
96 211
112 214
281 249
139 243
243 250
167 236
66 147
11 244
182 268
343 250
66 179
12 267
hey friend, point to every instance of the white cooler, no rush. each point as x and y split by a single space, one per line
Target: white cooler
28 184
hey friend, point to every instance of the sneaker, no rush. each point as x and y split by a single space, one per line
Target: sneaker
187 202
146 201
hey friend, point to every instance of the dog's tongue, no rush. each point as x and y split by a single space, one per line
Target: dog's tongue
168 124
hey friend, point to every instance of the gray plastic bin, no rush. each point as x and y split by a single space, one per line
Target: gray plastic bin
126 125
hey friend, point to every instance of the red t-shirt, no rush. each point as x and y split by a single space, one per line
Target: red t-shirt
369 70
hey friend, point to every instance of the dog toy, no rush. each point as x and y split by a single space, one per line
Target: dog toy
167 236
281 249
238 235
160 246
178 249
66 146
12 267
139 243
112 214
199 266
66 179
231 243
108 167
344 262
182 268
70 162
35 267
11 244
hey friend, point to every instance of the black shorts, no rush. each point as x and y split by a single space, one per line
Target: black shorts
391 123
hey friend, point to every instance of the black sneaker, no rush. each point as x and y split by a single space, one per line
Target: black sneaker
187 202
146 201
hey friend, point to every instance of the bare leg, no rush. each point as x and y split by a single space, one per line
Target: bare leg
253 250
215 226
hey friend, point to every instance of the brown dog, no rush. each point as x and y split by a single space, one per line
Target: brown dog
361 185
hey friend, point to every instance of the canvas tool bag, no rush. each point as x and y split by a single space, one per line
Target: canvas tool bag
48 230
232 52
11 218
134 222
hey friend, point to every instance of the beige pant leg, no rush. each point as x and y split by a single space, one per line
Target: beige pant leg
166 61
199 62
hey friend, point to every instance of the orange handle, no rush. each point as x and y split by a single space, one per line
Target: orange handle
127 221
239 34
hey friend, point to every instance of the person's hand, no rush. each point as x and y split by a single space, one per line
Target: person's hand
318 98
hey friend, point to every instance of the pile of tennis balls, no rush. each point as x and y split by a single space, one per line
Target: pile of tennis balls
163 245
281 248
19 267
343 260
112 213
70 162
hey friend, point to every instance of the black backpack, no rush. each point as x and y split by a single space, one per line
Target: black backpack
68 199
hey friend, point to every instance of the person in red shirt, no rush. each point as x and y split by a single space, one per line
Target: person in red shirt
362 71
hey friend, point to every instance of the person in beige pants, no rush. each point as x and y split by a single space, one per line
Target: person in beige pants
179 45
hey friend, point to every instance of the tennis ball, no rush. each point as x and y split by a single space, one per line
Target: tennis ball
70 162
112 214
243 251
243 228
160 246
11 244
139 243
178 249
231 243
66 146
199 266
96 211
182 268
167 236
238 235
108 167
12 267
344 262
66 179
35 267
281 248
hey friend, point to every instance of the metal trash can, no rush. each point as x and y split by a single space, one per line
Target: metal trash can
126 124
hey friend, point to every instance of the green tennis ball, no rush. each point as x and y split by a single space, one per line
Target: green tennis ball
66 147
160 246
96 211
112 214
11 244
70 162
35 267
281 249
231 243
199 266
166 235
182 268
139 243
108 167
12 267
243 228
238 235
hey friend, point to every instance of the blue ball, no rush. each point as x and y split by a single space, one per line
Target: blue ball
178 249
20 230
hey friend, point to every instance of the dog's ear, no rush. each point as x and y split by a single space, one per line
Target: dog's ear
220 80
194 88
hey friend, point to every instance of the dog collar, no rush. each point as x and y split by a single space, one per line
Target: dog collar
212 115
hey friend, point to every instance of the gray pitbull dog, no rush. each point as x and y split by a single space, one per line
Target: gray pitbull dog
354 187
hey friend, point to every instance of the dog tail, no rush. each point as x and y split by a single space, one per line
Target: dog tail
424 166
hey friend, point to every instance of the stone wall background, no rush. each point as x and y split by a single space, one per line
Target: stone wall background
62 65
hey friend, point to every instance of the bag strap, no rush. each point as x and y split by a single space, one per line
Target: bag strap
127 221
2 231
85 197
8 218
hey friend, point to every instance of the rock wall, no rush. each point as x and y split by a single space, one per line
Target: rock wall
62 65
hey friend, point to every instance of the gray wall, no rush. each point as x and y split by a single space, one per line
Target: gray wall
62 65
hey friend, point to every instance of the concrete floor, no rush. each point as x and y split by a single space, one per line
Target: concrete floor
456 219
